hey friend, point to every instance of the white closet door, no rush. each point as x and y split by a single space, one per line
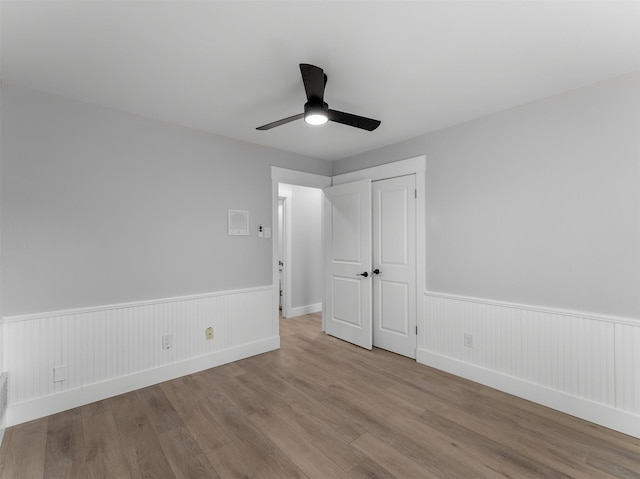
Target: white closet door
348 262
394 265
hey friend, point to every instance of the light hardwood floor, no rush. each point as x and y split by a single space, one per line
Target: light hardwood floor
317 408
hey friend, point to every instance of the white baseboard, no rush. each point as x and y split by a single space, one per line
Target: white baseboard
308 309
107 350
52 404
616 419
3 403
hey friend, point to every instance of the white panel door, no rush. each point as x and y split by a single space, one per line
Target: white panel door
394 265
348 262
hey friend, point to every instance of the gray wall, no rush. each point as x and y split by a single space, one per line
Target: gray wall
306 248
537 205
102 207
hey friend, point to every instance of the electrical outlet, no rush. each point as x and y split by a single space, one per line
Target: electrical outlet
209 333
468 340
167 341
59 374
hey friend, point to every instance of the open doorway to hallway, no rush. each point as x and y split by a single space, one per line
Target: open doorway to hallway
283 176
300 250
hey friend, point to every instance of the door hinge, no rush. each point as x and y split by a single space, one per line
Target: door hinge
416 329
415 194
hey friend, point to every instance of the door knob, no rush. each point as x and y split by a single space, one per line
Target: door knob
376 271
365 274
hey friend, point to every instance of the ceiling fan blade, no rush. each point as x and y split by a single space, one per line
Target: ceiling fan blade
284 121
368 124
314 81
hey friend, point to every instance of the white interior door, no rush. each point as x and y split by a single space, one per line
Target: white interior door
348 262
394 265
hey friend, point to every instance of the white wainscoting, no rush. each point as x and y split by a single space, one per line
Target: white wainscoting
3 404
583 364
113 349
3 385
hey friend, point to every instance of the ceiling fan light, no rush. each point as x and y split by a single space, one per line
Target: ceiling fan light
316 118
315 113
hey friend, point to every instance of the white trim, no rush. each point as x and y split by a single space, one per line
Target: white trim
387 170
109 307
52 404
412 166
299 178
309 308
291 177
3 403
539 309
612 418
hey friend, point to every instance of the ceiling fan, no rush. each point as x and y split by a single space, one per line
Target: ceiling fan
316 111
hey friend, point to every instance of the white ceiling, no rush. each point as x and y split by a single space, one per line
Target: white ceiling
228 67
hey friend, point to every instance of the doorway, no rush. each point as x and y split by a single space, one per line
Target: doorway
300 249
371 281
284 250
374 261
293 303
413 166
281 249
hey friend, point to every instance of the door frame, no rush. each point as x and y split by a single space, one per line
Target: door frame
286 194
297 178
417 166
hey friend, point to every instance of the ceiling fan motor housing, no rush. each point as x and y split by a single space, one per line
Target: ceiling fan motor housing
315 107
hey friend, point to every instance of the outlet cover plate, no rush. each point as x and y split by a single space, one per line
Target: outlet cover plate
59 374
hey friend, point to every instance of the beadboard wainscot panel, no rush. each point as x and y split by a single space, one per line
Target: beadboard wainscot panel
583 364
3 384
627 365
108 350
3 404
495 331
570 354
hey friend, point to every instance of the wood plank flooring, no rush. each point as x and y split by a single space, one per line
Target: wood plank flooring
317 408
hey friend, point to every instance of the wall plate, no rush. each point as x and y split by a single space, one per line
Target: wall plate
238 223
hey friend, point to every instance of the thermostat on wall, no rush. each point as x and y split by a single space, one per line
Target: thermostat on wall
238 223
